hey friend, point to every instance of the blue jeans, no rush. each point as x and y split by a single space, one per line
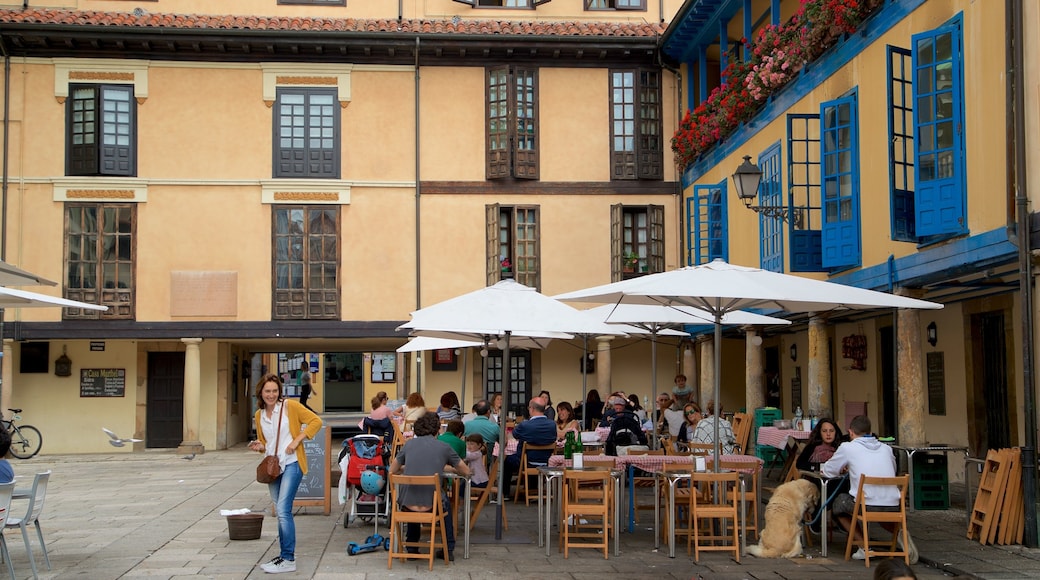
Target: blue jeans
283 493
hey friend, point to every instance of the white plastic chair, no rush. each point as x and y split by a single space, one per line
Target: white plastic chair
6 491
32 516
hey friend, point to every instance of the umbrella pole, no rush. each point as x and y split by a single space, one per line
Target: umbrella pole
718 383
653 376
506 398
465 364
584 382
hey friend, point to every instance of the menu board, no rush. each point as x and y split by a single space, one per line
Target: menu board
936 383
315 487
102 382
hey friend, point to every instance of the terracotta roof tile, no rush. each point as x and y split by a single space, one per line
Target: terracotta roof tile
230 22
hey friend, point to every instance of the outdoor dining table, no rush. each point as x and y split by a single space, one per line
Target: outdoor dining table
825 504
777 438
674 477
467 480
551 476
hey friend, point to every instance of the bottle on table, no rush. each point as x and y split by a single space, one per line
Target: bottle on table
568 446
798 418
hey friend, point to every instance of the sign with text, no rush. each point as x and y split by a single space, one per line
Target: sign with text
102 382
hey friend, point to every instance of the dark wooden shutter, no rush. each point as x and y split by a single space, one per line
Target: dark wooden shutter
655 217
623 118
649 142
494 266
617 233
499 122
117 124
82 118
525 125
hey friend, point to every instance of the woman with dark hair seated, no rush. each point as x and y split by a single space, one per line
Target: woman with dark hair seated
450 407
823 442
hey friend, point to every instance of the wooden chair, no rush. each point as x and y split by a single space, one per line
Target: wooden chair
699 448
592 508
682 500
751 486
864 515
528 471
399 518
398 441
742 423
481 495
644 481
709 507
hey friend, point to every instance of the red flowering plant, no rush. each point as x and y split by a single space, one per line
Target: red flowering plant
773 59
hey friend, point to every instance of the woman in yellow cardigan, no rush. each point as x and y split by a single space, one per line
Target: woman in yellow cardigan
293 424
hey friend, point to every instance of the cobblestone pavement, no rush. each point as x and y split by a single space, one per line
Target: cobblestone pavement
153 514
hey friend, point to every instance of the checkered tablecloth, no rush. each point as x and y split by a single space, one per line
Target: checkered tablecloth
778 437
655 462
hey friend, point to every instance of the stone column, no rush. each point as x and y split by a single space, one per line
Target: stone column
819 395
603 381
912 390
707 359
192 397
7 378
754 371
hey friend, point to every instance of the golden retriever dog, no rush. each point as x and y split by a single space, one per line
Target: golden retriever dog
782 536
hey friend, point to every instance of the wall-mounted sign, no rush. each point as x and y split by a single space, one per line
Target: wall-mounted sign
102 382
97 346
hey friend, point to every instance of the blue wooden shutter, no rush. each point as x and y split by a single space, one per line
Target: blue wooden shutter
803 191
709 223
901 144
939 132
770 194
839 173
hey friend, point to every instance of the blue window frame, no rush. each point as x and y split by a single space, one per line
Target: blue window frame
839 173
803 190
940 201
901 144
770 194
706 214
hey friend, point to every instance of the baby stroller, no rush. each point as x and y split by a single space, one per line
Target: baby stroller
366 478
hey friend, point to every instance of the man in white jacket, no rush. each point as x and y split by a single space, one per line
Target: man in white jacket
864 455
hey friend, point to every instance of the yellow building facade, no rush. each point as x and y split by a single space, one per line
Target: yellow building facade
298 178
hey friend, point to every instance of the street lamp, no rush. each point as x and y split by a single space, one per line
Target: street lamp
746 181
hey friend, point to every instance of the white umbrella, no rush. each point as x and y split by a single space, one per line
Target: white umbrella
721 288
11 298
15 276
497 313
657 319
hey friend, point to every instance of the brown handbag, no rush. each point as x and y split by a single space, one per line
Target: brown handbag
269 468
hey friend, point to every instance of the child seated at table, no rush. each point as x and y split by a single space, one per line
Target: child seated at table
476 452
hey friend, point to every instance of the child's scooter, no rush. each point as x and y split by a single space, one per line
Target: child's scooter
372 543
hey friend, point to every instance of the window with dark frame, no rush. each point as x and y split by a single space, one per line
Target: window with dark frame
306 133
636 240
901 143
512 122
615 4
803 190
100 259
519 386
306 262
840 176
635 111
36 357
513 242
101 130
770 194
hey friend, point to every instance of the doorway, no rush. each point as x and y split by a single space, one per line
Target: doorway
520 383
888 395
344 382
992 417
164 422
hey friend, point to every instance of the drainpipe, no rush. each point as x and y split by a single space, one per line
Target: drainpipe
418 220
3 188
1017 187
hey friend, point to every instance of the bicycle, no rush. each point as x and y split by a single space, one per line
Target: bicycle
26 440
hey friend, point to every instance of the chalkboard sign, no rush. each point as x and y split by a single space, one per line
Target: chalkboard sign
102 382
936 384
315 487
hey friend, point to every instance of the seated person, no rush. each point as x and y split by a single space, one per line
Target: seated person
483 423
453 435
538 430
413 408
692 414
423 454
565 421
6 470
609 409
476 459
705 431
590 411
450 408
863 455
669 418
823 442
378 421
625 429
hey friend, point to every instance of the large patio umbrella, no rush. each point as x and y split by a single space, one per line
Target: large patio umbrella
497 313
15 276
721 288
656 319
11 298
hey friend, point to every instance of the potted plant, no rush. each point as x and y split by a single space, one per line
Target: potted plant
630 261
507 268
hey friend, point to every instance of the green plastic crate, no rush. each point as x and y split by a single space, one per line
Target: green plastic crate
931 496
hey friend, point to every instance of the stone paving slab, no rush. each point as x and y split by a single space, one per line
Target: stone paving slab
154 515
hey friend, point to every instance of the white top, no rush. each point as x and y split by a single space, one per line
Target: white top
268 425
865 455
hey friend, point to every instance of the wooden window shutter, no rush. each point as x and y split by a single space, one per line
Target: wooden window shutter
655 213
649 142
525 125
499 115
616 234
491 224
